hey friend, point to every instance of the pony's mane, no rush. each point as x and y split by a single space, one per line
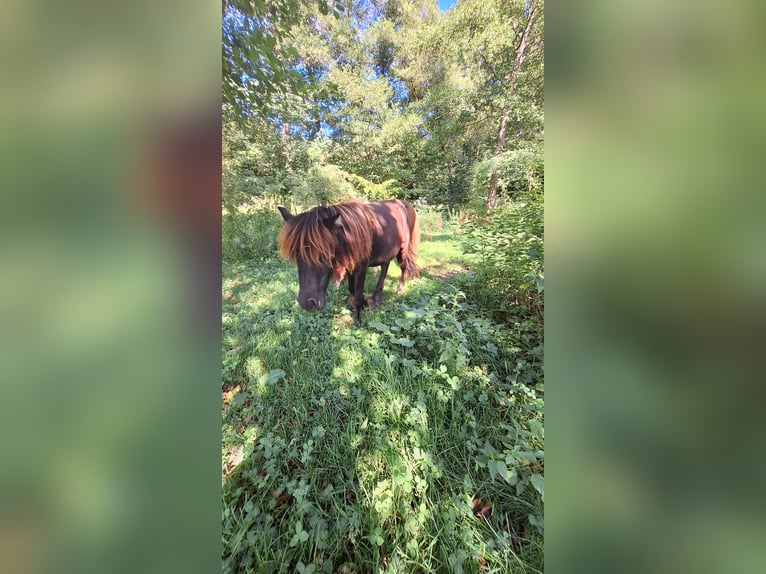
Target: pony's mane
307 237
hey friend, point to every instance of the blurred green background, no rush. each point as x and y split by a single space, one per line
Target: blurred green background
110 290
656 260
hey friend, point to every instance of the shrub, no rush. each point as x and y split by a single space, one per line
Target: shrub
434 219
509 243
250 236
376 191
322 185
519 170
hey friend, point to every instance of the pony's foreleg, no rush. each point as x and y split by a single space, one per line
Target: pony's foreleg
381 280
356 286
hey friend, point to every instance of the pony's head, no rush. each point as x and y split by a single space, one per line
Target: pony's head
324 243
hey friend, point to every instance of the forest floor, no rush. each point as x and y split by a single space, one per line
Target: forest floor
413 443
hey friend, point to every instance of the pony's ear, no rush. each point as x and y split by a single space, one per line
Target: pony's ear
333 221
286 215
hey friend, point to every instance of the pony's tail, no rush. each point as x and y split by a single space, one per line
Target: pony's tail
409 269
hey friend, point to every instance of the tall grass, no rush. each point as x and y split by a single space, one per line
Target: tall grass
411 444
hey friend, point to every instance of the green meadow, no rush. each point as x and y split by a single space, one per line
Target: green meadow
413 443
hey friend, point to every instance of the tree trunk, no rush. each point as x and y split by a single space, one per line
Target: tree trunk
492 194
286 142
285 136
518 61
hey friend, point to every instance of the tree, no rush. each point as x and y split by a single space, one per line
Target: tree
395 91
257 53
524 46
506 68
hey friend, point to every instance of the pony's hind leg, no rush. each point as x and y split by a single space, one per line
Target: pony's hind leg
403 276
379 287
400 287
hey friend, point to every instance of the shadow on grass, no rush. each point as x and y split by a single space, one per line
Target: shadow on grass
350 448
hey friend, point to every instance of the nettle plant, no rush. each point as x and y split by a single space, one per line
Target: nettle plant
510 244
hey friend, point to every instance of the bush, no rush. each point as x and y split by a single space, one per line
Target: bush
509 242
519 170
250 236
323 185
376 191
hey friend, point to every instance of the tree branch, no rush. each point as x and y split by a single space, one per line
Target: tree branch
495 75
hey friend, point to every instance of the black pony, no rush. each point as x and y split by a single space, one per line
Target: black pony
342 241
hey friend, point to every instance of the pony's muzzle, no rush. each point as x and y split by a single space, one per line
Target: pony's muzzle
312 304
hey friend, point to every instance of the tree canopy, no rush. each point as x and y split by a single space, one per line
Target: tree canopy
323 98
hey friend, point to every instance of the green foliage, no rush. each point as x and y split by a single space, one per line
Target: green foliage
257 53
434 219
413 443
510 244
323 184
519 170
247 236
376 191
254 164
397 94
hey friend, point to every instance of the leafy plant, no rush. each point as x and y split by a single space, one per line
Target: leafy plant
510 244
365 449
376 191
250 236
519 170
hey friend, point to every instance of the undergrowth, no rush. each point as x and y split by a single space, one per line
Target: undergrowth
413 443
509 245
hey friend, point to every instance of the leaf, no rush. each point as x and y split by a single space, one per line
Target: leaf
377 537
239 399
272 377
412 524
456 560
500 468
412 547
538 482
536 520
378 326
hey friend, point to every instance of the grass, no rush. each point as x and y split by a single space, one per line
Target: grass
413 443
